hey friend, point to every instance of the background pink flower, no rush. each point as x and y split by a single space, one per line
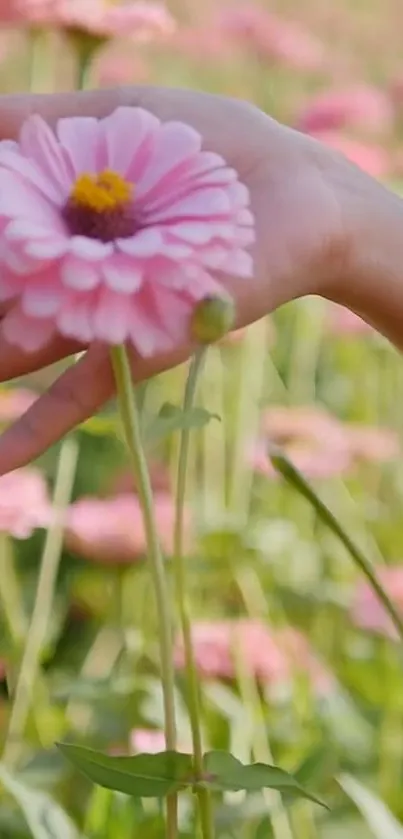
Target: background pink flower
147 740
24 502
100 18
359 106
368 613
111 530
271 36
112 230
273 657
318 444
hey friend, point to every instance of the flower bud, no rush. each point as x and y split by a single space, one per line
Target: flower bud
212 318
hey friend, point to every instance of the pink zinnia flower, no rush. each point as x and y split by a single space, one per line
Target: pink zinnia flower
273 657
98 18
271 36
24 503
368 613
318 444
359 106
111 230
111 530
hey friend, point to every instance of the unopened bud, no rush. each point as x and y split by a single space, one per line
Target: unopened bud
212 318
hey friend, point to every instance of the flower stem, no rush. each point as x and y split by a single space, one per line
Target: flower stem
204 798
131 424
39 624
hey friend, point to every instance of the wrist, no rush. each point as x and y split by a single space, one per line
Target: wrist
371 280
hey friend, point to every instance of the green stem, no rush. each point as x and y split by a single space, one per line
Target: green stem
204 798
297 480
38 628
131 424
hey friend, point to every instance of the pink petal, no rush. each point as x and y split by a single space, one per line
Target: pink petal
146 243
86 248
146 333
29 171
112 318
75 320
122 275
15 258
204 204
25 332
174 313
195 232
79 275
46 248
129 134
175 145
238 264
21 200
81 137
38 143
42 300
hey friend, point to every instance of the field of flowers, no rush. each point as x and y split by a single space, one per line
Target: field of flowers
298 663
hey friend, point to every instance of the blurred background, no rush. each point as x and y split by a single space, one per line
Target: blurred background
299 664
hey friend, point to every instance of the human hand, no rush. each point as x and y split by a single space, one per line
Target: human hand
297 190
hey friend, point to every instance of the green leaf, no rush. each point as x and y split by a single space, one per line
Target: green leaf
45 818
316 767
141 776
377 816
224 772
172 418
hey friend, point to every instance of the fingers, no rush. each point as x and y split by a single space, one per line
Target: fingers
74 397
15 362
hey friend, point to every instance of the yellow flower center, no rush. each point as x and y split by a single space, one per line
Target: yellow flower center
101 193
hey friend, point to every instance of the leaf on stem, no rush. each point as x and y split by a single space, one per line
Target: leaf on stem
224 772
172 418
141 776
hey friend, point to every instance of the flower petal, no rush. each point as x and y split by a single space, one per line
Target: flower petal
81 137
13 161
18 199
146 332
75 319
175 145
206 204
111 318
79 275
122 275
130 136
146 243
42 300
39 143
86 248
26 332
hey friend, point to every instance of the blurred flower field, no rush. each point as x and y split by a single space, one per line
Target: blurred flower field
299 664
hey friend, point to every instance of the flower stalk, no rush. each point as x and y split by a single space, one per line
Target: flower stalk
132 429
203 795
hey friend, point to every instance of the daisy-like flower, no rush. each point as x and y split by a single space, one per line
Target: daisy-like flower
112 230
98 18
24 503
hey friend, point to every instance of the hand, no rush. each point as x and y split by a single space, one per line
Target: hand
296 188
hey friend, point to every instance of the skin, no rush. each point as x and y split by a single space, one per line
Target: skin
323 227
